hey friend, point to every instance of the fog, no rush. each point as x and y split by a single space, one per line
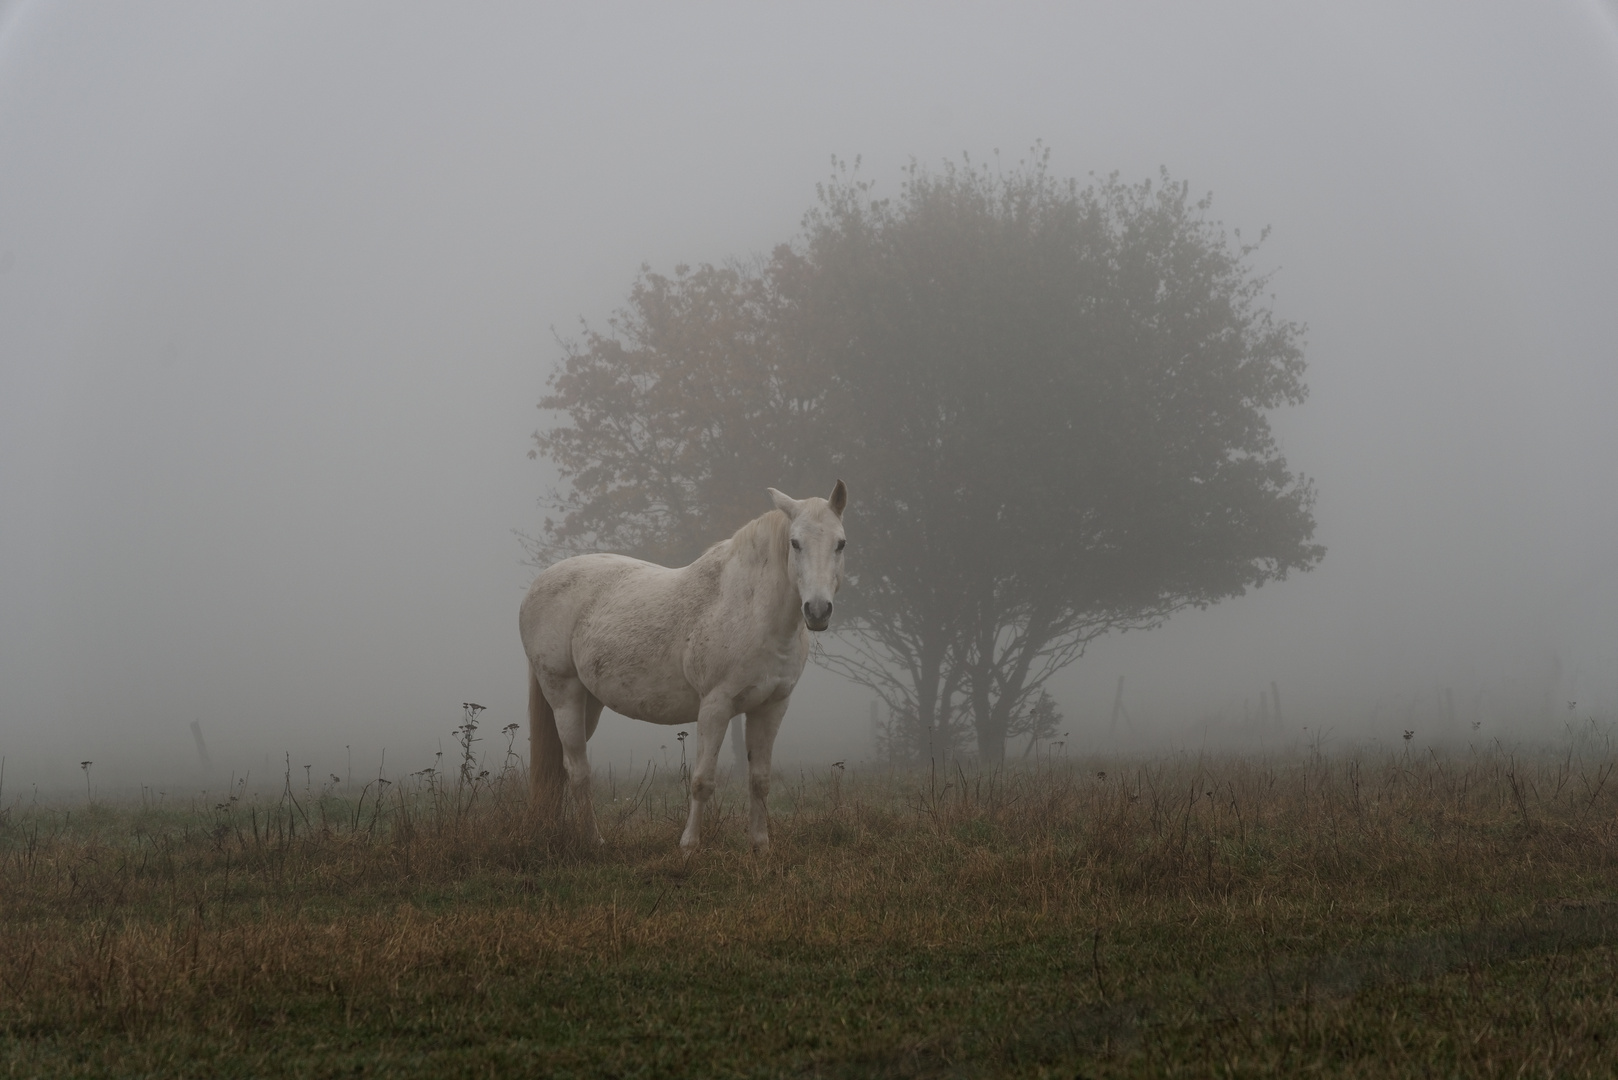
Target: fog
281 286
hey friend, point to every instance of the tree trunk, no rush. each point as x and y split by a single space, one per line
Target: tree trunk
929 673
991 737
991 713
991 744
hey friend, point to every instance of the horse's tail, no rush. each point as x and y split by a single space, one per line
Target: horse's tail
546 772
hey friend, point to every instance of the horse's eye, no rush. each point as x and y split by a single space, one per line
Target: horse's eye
796 546
841 544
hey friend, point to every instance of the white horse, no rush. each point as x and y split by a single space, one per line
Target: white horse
726 635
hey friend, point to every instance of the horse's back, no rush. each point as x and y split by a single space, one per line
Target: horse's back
571 594
618 625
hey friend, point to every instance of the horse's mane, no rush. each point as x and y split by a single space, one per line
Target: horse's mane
759 537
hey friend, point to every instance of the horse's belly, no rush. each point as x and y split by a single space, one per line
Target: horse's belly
652 704
638 687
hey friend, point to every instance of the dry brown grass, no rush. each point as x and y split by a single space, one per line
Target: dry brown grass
1357 914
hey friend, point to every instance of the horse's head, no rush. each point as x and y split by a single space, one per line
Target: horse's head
815 550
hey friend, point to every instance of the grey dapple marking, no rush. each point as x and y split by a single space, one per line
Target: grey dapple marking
728 634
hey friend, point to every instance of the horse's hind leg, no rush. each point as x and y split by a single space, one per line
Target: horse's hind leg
577 712
592 716
711 724
762 724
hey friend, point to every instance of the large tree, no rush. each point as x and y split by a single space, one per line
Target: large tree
1049 401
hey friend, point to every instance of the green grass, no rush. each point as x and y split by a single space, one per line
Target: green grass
1348 916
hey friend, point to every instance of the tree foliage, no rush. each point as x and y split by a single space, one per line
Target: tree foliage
680 414
1049 401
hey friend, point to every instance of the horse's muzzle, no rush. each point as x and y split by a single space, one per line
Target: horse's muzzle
817 614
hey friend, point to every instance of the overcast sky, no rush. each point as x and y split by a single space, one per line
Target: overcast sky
280 285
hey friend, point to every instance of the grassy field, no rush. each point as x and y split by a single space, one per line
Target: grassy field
1357 914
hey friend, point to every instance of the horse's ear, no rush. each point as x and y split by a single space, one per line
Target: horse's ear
785 503
839 498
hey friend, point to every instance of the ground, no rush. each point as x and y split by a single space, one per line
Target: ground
1351 914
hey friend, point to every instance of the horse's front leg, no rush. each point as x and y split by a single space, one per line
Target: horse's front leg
762 724
712 721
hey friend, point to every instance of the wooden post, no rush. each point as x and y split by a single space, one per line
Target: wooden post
202 747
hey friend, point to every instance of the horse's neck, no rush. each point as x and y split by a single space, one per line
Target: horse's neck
759 550
785 614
